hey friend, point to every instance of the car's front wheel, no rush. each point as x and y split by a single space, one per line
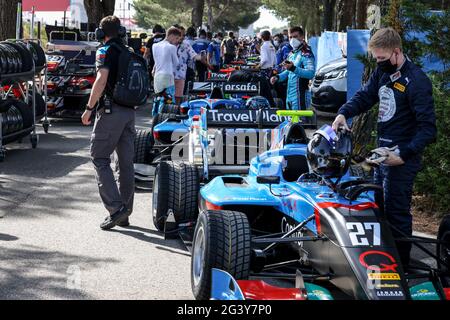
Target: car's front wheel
222 240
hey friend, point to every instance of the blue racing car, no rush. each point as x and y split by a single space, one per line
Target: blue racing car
299 218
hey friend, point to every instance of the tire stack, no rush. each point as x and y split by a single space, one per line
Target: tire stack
16 57
16 116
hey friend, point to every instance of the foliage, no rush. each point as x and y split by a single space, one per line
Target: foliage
306 13
165 13
418 19
220 15
432 181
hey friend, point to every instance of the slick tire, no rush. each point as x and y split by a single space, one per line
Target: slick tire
38 54
175 187
143 143
184 189
40 106
26 112
222 240
3 61
25 55
161 201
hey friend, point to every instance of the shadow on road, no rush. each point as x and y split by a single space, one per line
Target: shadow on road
7 237
31 272
145 235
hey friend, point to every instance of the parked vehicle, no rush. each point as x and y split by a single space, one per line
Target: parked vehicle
329 88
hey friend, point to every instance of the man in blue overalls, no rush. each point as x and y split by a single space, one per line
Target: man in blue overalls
300 69
406 125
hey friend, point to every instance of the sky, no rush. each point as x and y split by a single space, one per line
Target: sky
269 19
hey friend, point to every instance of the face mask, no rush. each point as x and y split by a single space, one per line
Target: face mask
295 43
276 43
386 66
218 41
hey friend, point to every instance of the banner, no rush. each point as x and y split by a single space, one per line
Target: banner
328 48
357 41
45 5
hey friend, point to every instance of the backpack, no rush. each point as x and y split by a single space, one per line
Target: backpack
230 46
132 86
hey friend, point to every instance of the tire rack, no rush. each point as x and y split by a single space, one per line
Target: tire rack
36 75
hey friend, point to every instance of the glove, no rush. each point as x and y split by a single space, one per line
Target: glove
380 155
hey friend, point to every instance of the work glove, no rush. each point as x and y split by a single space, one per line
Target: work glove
383 154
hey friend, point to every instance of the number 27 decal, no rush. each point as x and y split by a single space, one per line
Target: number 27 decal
358 235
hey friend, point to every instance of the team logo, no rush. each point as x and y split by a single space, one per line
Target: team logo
201 86
388 106
243 87
378 261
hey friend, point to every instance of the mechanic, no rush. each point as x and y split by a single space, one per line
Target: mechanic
114 130
214 55
166 61
268 55
300 68
229 48
158 36
185 56
406 125
200 46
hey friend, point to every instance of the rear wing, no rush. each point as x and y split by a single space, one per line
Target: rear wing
245 88
218 76
243 118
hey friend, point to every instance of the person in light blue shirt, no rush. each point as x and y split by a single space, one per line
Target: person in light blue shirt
299 70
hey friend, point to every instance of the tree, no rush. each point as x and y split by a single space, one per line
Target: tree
305 13
8 16
346 14
328 14
220 15
98 9
198 9
361 13
167 13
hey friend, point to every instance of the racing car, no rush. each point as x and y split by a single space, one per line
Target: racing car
298 216
176 121
71 72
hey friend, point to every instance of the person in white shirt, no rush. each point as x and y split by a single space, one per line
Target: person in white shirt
268 52
166 62
186 56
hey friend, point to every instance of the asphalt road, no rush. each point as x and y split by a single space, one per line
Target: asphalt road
51 246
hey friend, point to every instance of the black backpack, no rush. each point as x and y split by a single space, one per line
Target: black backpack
230 46
132 86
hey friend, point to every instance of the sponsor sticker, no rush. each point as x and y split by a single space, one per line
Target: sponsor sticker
399 87
385 293
383 276
386 286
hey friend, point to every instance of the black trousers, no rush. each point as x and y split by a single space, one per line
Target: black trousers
201 71
395 202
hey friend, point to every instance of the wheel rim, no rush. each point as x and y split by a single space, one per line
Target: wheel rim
198 255
155 196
